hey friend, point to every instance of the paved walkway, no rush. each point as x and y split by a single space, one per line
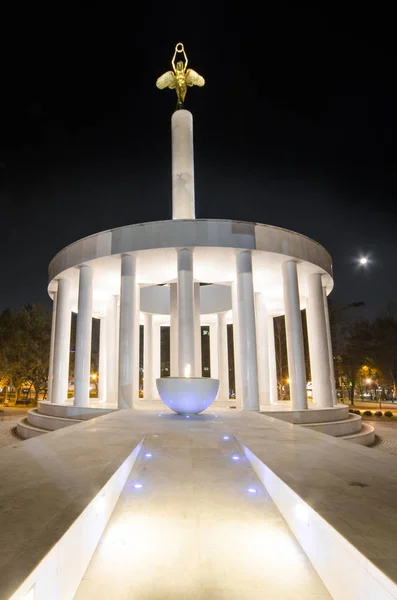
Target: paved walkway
8 420
386 436
194 522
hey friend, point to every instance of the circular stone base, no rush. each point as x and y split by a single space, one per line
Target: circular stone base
187 395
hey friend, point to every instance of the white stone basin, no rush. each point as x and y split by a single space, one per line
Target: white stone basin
187 395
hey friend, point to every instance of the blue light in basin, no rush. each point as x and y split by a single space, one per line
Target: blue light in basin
235 457
226 438
138 486
251 490
148 455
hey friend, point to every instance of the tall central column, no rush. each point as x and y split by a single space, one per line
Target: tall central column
60 378
103 359
111 351
197 325
129 325
186 320
52 347
262 348
246 330
173 330
318 344
223 363
293 326
182 165
82 367
148 357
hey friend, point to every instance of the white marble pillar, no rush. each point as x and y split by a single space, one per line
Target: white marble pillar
198 370
330 351
52 346
111 351
148 357
223 362
60 377
236 349
272 362
186 320
82 369
129 325
174 330
103 368
156 356
246 330
182 165
318 344
214 359
262 345
293 326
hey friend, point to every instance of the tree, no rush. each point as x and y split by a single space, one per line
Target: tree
356 353
25 347
385 346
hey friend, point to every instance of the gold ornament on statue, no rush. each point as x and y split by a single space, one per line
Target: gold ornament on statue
180 77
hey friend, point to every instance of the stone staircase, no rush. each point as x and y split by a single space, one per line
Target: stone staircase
50 417
335 421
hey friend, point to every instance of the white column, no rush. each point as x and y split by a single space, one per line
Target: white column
60 378
186 321
223 362
330 351
182 165
148 357
156 356
129 325
174 330
111 347
262 348
293 325
82 368
214 350
272 362
236 349
318 344
52 346
102 384
246 330
198 370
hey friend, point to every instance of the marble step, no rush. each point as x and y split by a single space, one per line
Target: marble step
365 437
48 422
348 426
69 411
27 431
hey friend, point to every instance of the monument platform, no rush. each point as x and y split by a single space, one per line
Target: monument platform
62 488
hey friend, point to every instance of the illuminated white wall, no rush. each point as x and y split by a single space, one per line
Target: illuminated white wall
347 574
59 574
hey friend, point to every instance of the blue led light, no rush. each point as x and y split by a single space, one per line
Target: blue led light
138 486
252 490
235 457
148 455
226 437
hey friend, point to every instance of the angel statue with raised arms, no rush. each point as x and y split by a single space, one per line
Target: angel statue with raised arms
180 78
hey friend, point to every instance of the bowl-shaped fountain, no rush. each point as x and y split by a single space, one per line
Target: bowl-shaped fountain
187 395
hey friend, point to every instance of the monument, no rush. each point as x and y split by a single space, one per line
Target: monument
151 274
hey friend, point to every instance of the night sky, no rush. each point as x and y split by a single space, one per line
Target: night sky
296 127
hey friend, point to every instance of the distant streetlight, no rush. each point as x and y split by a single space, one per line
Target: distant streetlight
363 260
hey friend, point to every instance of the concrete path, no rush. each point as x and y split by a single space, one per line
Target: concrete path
194 522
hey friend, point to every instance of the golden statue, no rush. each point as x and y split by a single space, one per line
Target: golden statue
180 78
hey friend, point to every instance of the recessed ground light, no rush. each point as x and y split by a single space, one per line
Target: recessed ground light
252 490
226 437
148 455
138 486
235 457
